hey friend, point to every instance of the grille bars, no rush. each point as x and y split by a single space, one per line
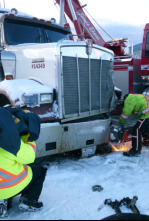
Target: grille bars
79 94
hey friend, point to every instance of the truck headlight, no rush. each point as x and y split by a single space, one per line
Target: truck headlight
46 98
29 100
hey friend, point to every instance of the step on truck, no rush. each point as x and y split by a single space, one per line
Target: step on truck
68 83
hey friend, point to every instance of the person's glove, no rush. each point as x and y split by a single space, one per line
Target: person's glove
121 133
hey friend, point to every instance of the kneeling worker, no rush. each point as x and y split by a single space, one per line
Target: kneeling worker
138 105
17 150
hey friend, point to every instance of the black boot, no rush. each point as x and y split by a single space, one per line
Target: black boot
132 153
30 205
3 208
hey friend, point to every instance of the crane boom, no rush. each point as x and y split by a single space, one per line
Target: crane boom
82 24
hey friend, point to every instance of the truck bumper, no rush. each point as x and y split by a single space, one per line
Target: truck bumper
58 138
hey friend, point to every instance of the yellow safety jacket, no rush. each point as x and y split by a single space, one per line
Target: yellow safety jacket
138 105
15 175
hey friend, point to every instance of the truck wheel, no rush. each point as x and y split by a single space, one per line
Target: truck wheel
4 100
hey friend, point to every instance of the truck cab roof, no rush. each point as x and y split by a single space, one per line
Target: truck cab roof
17 15
24 29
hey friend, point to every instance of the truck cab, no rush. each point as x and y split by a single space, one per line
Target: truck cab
68 84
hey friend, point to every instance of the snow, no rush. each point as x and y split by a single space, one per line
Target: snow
67 193
53 112
16 88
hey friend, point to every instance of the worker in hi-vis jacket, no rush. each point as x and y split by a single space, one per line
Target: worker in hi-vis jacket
138 105
18 132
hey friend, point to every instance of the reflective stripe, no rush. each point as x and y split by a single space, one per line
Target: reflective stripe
12 180
5 176
33 146
136 112
146 110
125 117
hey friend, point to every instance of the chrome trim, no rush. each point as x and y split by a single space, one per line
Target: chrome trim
82 115
90 87
100 82
62 87
9 63
62 3
79 93
94 46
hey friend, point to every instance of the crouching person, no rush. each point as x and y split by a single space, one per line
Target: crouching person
17 151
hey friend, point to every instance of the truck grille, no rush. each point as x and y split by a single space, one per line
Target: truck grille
84 90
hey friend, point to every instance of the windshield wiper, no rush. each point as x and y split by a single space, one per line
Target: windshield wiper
47 36
39 36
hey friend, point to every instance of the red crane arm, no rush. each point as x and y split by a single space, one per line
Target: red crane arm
81 22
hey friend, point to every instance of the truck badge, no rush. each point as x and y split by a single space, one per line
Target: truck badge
38 63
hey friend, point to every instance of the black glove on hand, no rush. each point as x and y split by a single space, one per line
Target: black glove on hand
121 128
121 133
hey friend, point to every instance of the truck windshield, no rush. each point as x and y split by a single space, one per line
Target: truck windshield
19 32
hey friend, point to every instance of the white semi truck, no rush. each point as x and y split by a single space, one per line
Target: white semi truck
68 84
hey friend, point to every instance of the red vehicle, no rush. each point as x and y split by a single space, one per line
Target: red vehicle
131 74
145 59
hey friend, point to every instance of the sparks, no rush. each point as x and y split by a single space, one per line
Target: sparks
121 147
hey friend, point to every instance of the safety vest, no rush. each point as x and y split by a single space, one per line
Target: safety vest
137 104
33 146
9 180
15 175
146 110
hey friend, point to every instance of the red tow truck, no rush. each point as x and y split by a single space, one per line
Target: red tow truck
131 73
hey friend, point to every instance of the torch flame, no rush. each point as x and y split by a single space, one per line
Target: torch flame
121 147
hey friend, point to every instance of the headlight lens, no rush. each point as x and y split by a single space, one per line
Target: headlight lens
29 100
46 98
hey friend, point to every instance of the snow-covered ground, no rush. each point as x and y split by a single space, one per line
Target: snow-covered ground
68 195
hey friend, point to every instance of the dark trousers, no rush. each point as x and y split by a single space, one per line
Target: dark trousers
141 127
34 189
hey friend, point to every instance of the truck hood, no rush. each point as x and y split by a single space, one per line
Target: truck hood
40 62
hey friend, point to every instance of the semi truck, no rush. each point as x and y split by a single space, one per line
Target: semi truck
68 83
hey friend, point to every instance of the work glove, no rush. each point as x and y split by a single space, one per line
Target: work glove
121 128
121 133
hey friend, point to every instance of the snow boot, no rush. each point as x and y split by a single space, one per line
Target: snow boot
30 205
3 208
132 153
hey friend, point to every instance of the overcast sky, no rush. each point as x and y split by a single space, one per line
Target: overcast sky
119 18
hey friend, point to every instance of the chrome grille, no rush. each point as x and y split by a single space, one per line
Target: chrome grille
87 85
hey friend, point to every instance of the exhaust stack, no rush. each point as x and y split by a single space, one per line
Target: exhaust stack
62 5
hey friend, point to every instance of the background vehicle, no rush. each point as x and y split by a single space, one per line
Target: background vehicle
131 71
